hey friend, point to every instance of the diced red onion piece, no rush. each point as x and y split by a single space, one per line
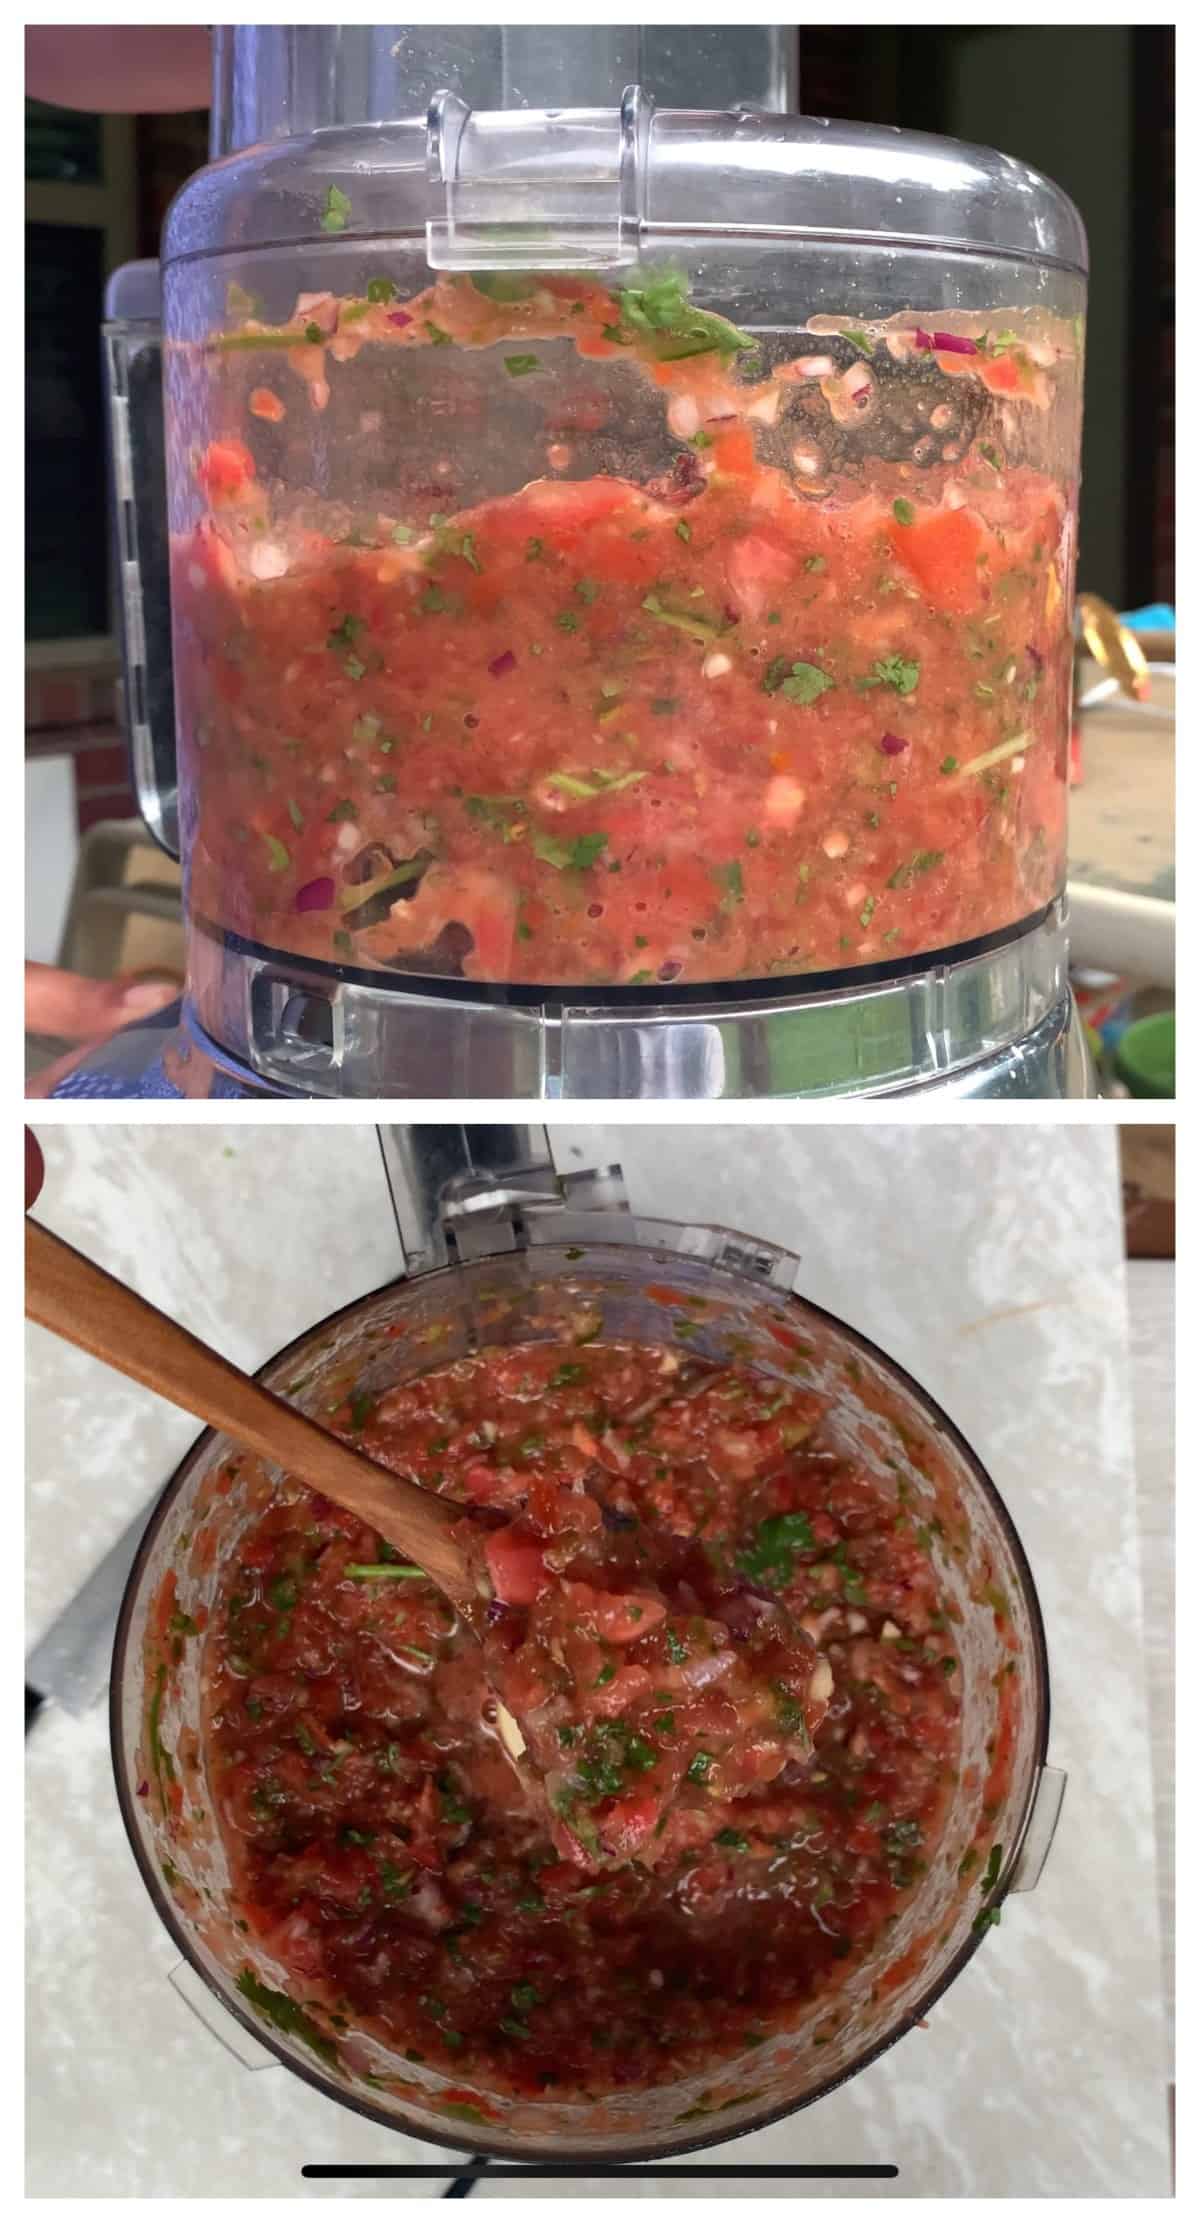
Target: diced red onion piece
399 317
505 662
924 340
950 343
316 895
892 745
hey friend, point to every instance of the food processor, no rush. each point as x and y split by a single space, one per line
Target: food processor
622 565
501 1248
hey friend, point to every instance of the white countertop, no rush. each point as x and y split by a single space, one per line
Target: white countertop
989 1261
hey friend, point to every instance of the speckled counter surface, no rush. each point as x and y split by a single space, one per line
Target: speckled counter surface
988 1260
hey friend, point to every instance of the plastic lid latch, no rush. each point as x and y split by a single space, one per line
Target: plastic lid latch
536 189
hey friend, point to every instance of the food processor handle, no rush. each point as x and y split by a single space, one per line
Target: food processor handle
1039 1832
131 359
67 1293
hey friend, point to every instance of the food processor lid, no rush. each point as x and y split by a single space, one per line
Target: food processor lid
524 188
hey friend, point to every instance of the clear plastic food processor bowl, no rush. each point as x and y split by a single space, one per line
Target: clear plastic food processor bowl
734 1301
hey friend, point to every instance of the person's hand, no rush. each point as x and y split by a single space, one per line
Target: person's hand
35 1169
85 1012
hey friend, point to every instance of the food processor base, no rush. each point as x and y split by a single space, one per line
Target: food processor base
997 1023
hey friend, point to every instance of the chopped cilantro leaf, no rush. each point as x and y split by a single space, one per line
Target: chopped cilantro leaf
770 1557
899 672
337 210
276 2008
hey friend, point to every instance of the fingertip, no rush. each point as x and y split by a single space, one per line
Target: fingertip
35 1168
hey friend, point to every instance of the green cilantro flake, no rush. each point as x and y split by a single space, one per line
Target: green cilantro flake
580 854
337 211
345 633
659 313
770 1556
801 683
922 860
895 671
276 2008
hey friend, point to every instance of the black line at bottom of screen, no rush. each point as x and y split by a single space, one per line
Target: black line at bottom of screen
746 2170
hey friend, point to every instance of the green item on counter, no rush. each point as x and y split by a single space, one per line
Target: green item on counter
1145 1056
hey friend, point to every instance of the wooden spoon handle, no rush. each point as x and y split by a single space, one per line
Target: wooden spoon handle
66 1292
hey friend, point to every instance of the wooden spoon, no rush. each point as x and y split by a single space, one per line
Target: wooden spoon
64 1291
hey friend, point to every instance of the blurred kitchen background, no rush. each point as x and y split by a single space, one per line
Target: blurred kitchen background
1092 105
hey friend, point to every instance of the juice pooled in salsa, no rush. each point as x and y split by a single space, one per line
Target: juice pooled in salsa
761 1790
798 702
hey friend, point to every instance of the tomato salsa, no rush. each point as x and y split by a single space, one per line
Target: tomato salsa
797 703
765 1789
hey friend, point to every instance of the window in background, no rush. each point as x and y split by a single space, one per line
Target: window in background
80 223
61 145
66 567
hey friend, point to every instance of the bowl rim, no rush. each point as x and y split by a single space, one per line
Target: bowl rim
485 2144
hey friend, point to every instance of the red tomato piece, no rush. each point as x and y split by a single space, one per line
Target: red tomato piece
225 470
942 552
516 1567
